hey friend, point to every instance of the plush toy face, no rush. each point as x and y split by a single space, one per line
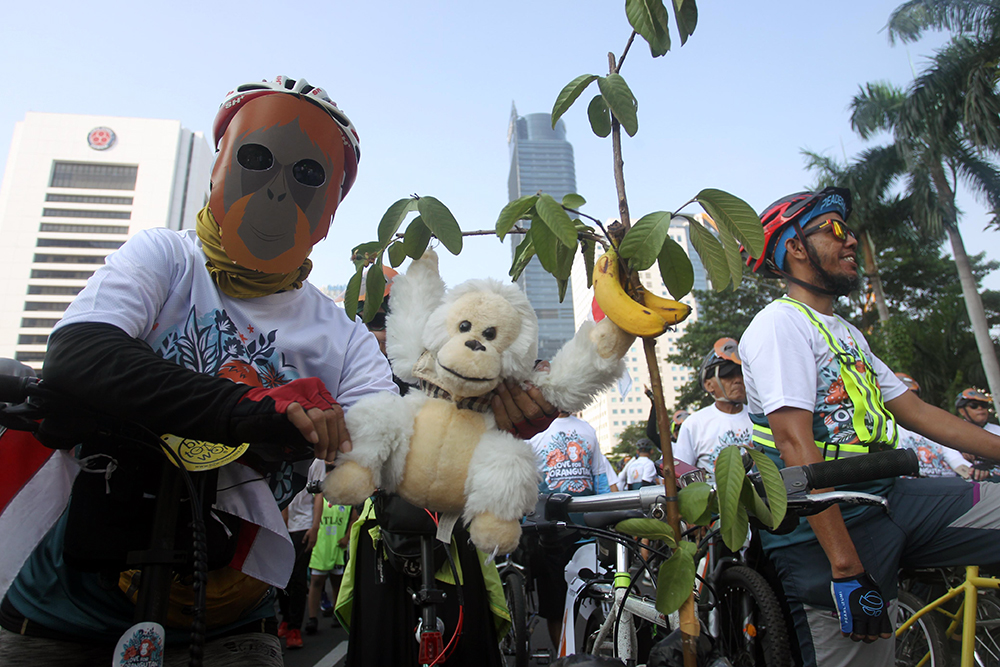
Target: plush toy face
480 327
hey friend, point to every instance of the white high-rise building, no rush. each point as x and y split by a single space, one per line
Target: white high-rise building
75 189
627 404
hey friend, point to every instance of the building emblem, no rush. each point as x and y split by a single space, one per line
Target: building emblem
101 138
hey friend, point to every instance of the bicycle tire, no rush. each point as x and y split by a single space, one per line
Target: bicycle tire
517 642
988 629
926 635
752 630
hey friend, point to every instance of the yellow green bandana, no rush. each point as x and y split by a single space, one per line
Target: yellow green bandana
237 281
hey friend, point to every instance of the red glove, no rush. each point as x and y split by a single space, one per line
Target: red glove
307 392
259 418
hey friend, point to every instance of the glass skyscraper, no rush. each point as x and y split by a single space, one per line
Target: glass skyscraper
542 160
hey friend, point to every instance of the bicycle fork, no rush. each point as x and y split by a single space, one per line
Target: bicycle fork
628 607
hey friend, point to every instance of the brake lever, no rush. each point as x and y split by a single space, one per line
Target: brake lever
810 504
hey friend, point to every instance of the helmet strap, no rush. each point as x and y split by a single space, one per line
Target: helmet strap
816 289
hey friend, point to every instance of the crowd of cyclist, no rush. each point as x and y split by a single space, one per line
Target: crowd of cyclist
212 334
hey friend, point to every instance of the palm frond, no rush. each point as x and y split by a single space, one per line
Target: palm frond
976 17
875 108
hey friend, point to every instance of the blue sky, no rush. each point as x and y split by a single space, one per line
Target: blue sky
430 85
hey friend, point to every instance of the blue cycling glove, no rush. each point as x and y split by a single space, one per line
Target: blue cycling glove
861 606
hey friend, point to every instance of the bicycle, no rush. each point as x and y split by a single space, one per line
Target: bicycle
616 634
27 404
516 644
920 638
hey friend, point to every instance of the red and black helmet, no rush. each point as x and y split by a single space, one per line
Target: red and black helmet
793 209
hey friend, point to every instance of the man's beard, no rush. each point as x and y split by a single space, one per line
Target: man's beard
841 285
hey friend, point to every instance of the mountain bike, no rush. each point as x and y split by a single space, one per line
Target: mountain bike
163 552
627 608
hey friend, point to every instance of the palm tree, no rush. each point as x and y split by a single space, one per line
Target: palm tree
933 131
965 69
878 217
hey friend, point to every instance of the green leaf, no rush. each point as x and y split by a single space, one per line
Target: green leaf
621 101
564 265
686 14
374 290
393 218
649 18
554 216
573 201
713 256
675 581
648 529
587 247
692 501
774 487
675 268
644 239
416 238
562 284
352 294
733 258
519 209
364 251
752 501
397 253
545 243
441 222
734 215
600 116
522 255
729 476
569 94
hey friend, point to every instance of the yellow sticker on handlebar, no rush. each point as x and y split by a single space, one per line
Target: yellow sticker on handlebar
198 455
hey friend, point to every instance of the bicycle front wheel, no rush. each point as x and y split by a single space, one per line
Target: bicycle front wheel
516 645
924 639
751 626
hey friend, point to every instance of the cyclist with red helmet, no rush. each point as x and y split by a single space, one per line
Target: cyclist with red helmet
936 460
723 423
815 391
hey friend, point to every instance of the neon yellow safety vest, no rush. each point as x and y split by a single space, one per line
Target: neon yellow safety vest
874 426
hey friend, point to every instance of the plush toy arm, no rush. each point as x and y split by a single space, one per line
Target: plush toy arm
414 297
503 478
586 365
381 426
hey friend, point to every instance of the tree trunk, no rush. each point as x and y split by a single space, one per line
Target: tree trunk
871 272
973 302
977 316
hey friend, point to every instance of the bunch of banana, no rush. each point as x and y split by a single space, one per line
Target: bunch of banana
646 321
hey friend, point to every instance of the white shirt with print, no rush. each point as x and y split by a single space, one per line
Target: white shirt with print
788 364
935 460
569 458
707 432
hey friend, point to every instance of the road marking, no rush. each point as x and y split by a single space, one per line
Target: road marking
334 656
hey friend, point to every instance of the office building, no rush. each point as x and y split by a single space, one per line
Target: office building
542 160
76 188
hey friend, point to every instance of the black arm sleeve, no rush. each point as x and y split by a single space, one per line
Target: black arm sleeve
651 432
103 368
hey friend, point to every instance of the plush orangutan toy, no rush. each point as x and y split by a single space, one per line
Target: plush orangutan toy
439 447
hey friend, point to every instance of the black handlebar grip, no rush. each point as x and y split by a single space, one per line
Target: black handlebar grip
854 469
14 389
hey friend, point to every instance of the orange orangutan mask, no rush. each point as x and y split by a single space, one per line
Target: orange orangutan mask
276 182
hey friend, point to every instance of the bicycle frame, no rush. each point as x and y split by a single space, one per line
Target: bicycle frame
965 616
584 596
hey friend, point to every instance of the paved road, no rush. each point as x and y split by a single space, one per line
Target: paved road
327 648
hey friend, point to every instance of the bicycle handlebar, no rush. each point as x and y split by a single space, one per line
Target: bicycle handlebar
799 480
15 389
851 470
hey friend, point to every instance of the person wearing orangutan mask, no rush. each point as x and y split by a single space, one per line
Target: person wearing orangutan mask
212 334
